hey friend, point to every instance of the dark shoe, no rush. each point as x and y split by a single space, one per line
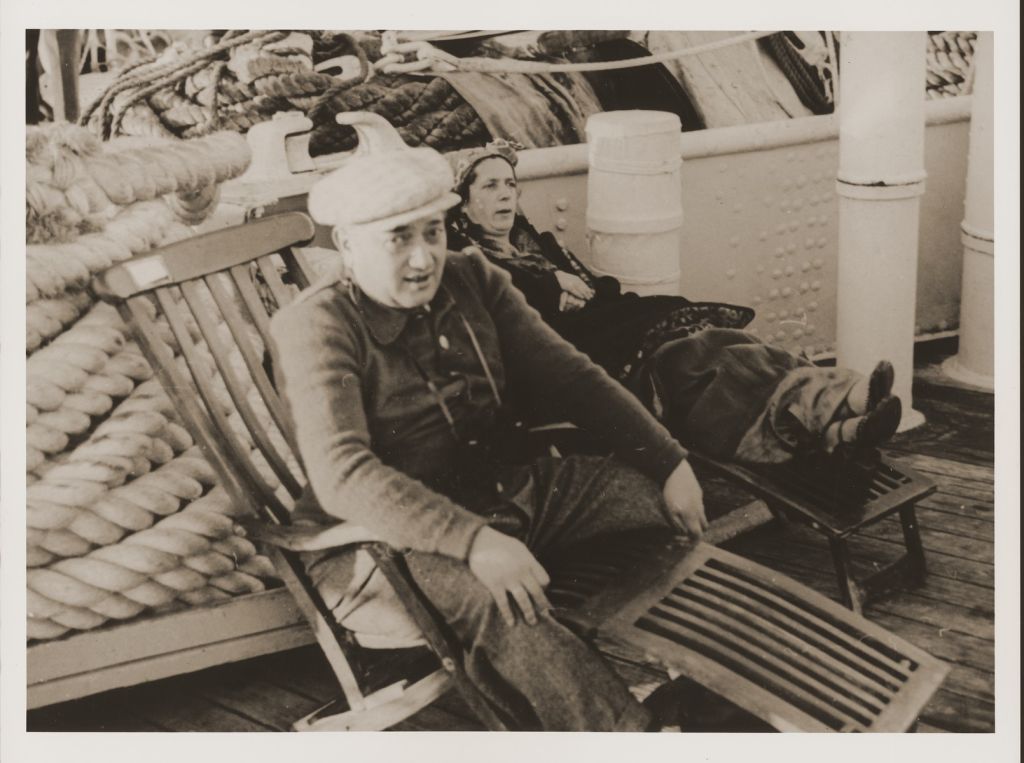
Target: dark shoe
690 707
873 428
880 384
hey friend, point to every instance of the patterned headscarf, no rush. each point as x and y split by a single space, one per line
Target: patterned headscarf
464 161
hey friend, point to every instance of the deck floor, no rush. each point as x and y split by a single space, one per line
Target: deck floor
951 615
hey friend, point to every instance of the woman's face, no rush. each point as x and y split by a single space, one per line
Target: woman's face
400 267
493 196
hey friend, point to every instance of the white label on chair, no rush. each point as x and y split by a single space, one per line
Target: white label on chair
147 272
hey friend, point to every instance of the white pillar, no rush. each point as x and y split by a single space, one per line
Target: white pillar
975 362
880 181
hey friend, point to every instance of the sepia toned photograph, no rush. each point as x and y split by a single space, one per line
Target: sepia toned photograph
587 380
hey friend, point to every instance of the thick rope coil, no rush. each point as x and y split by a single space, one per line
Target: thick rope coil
142 174
167 71
73 485
53 269
177 111
178 535
71 186
60 269
117 377
150 569
139 119
293 83
113 125
301 103
949 60
126 522
60 209
239 117
47 318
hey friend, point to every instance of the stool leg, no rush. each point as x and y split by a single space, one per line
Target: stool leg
915 549
848 590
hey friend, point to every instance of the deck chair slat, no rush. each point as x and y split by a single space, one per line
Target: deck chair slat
200 375
239 330
779 671
237 392
298 266
285 566
842 632
772 644
788 630
241 276
177 385
677 630
818 622
268 269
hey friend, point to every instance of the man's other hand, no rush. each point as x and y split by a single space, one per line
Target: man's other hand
684 501
507 568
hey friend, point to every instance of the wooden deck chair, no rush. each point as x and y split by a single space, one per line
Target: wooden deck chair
200 287
837 498
768 644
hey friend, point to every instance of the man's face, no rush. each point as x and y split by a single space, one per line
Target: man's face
400 267
493 196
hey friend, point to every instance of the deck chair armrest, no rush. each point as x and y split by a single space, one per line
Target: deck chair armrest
307 537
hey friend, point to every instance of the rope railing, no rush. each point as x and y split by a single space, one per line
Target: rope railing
430 59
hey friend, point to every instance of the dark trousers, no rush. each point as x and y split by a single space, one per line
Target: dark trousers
539 677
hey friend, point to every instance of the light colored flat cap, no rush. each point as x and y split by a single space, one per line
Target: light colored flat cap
384 189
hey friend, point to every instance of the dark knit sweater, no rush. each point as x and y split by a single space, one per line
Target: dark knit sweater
375 443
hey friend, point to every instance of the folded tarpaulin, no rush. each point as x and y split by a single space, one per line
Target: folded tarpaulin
536 110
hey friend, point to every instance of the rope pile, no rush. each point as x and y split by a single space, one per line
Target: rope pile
75 184
131 521
123 516
949 56
245 78
425 112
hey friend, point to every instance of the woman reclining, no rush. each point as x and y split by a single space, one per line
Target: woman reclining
719 389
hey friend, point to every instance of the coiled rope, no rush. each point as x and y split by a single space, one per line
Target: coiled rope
950 57
123 516
154 75
152 551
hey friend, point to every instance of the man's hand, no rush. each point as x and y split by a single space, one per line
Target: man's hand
506 567
685 501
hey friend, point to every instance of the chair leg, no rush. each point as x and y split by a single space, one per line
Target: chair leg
849 591
380 710
915 549
392 564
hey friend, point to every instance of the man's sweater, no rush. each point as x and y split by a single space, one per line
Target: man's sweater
372 435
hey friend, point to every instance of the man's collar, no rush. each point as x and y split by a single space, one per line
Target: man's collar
387 323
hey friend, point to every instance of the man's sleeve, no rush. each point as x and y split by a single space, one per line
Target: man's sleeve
572 384
323 384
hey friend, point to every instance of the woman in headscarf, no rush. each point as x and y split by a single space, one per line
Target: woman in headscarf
717 388
617 329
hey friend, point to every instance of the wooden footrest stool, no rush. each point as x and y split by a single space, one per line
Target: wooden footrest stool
837 498
772 646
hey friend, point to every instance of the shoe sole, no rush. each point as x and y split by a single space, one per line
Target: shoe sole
880 424
880 384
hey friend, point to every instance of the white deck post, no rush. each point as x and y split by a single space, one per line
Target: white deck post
879 184
975 362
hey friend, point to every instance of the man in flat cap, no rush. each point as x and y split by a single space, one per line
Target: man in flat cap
400 371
